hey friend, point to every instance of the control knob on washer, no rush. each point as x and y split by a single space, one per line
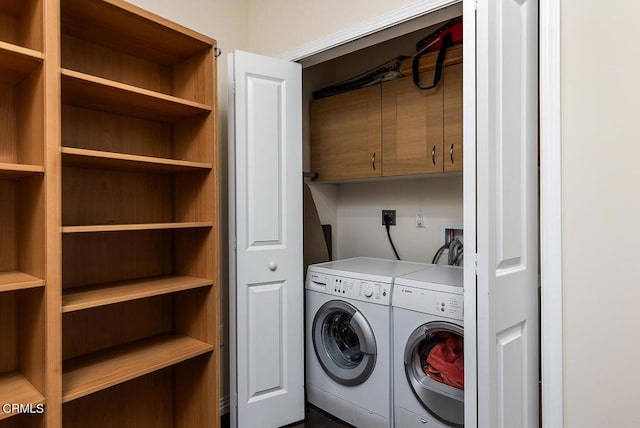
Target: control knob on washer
368 292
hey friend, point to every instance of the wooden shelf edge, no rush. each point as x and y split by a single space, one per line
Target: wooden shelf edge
96 158
101 370
14 170
16 389
15 280
96 92
77 299
26 53
134 227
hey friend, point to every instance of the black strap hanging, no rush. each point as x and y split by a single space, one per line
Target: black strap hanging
447 41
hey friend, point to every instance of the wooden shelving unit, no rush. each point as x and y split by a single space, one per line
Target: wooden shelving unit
22 209
108 217
139 218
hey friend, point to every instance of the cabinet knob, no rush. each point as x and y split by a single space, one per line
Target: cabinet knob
273 266
433 155
451 153
373 160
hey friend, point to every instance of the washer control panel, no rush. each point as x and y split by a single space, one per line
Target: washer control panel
350 288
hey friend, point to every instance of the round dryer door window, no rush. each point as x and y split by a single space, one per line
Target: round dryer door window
434 365
344 343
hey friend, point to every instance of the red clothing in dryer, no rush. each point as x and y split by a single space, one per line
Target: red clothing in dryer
445 361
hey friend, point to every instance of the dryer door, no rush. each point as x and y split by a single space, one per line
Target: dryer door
344 343
434 365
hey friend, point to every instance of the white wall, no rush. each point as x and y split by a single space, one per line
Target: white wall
278 26
601 203
359 217
226 22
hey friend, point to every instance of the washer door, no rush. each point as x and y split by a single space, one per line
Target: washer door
444 402
344 343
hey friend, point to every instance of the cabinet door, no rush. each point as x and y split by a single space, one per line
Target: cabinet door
411 127
453 118
345 135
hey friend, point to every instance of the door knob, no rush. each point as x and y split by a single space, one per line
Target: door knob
273 266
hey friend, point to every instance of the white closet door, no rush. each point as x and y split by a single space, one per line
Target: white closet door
266 278
507 212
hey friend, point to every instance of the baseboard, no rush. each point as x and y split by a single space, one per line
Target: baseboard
225 405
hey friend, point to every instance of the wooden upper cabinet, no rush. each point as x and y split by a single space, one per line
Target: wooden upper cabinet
393 128
412 128
453 118
345 135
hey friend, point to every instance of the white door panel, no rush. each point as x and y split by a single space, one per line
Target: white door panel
507 211
267 280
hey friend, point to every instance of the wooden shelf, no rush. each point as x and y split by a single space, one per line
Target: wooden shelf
17 62
131 227
127 28
77 299
14 280
96 93
15 389
110 160
94 372
14 170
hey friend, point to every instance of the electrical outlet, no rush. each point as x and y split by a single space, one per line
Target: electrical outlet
420 223
392 217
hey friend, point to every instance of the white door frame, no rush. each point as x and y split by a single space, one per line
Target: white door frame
550 175
552 357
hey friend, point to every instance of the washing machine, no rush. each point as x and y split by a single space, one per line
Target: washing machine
348 338
428 348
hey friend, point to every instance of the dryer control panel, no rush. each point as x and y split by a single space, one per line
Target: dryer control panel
350 288
427 301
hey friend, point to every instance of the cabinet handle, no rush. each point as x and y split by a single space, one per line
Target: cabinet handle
433 155
373 160
451 153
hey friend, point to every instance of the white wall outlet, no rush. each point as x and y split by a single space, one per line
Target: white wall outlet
420 221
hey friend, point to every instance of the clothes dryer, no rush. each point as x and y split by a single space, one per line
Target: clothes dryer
348 338
428 340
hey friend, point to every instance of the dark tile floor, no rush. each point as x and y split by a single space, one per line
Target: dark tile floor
316 418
